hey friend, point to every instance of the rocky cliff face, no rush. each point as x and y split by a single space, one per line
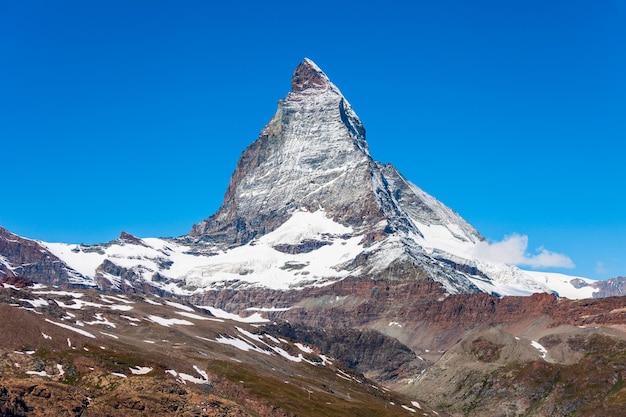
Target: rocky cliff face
612 287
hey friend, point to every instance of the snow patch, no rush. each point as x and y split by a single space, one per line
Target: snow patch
168 322
113 299
303 348
54 292
254 318
304 225
183 378
179 306
38 373
198 317
101 320
78 304
140 370
38 302
240 344
74 329
120 308
542 350
286 355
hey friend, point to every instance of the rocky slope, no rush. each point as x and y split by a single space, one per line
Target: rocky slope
574 372
313 156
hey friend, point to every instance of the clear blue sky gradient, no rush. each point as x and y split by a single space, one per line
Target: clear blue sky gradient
131 115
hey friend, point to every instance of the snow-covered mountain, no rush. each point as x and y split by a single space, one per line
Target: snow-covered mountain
306 206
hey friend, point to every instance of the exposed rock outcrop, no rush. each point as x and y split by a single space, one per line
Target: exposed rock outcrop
28 258
380 357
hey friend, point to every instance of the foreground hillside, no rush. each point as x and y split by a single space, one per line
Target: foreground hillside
87 353
84 353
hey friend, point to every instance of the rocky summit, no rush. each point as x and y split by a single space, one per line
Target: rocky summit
348 270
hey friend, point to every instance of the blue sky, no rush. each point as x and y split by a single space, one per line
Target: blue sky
131 115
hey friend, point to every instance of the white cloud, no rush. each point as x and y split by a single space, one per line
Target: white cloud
512 250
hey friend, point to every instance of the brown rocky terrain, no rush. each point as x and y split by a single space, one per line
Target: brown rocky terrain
355 302
495 374
86 353
471 354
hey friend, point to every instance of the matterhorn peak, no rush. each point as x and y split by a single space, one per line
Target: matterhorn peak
311 154
312 157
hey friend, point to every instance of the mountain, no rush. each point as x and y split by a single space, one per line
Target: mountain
311 180
307 206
